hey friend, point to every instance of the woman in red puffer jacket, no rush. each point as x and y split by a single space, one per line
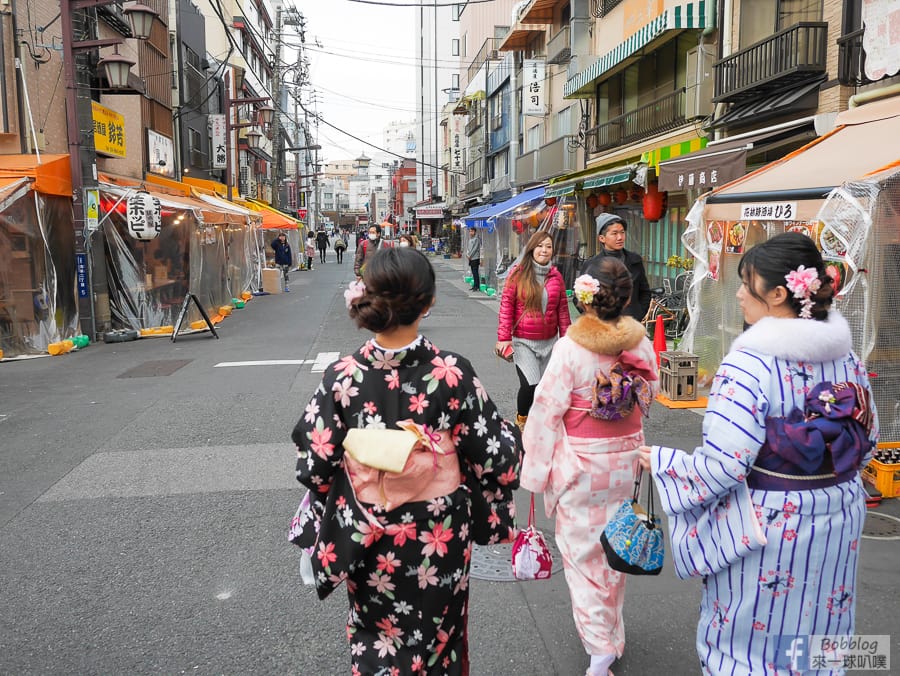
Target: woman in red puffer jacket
534 312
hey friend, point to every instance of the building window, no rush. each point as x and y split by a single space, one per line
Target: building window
456 11
454 47
454 81
195 144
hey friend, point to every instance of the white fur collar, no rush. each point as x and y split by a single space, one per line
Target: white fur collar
798 339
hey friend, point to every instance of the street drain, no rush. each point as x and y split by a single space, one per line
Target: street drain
494 562
881 526
152 369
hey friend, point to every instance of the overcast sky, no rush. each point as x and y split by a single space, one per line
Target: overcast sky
362 66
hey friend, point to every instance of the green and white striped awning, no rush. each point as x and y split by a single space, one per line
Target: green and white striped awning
562 191
690 15
612 178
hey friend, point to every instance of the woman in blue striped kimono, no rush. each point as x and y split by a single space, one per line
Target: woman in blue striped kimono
769 509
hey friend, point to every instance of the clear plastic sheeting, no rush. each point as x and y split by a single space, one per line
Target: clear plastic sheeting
148 280
37 272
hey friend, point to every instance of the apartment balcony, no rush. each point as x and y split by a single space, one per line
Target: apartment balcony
490 51
657 117
499 138
553 159
792 56
559 49
852 59
473 124
473 186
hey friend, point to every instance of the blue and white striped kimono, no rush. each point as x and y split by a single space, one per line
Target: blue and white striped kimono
803 581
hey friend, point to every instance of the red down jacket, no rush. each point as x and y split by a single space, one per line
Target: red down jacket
534 326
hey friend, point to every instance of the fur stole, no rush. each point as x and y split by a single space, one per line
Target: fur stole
798 339
606 337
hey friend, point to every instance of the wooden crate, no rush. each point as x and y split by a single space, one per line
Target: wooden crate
678 375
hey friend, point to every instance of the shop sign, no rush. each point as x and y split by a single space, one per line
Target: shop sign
92 209
81 271
160 154
429 212
769 211
702 170
219 150
301 214
109 131
457 129
144 216
533 93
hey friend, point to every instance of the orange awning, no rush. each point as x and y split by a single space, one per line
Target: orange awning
272 219
51 173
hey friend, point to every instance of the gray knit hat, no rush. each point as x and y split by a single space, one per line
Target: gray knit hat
603 222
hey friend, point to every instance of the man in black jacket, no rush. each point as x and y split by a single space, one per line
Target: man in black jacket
611 230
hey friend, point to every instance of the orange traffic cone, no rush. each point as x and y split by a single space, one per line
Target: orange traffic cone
659 338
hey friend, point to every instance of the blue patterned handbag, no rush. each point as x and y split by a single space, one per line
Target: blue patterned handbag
633 539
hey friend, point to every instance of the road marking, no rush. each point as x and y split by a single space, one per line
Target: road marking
324 360
266 362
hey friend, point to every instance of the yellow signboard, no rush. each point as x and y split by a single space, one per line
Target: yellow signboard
109 131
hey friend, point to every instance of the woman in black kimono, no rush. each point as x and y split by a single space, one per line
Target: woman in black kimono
406 566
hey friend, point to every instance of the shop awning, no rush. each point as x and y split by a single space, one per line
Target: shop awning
591 178
50 173
272 219
609 178
519 36
123 186
12 189
483 217
724 161
560 191
689 15
862 144
225 205
794 100
205 184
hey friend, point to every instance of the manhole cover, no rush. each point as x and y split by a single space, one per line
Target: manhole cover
494 562
881 526
150 369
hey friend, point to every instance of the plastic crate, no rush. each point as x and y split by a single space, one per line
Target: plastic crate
885 477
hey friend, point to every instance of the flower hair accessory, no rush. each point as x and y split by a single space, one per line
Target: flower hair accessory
585 288
355 291
803 283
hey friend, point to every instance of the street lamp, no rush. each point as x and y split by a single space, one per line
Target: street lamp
253 137
117 69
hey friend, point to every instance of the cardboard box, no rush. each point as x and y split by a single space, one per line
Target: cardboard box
273 280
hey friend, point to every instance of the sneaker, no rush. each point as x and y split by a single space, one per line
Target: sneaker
287 288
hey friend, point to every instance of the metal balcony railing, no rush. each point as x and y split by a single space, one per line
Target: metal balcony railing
489 52
791 56
656 117
473 124
852 59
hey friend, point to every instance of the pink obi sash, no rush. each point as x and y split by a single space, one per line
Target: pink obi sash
431 471
581 424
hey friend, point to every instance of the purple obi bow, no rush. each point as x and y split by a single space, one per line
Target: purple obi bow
616 393
835 426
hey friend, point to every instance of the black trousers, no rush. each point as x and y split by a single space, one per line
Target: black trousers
340 254
476 280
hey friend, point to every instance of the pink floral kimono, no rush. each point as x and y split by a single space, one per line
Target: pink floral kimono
585 467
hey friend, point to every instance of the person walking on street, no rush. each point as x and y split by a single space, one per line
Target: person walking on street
340 245
473 254
407 240
283 256
583 460
790 424
611 232
322 244
534 311
367 248
310 249
406 563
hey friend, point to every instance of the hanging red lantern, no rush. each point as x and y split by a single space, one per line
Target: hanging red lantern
518 226
655 203
593 201
550 201
621 196
636 194
605 199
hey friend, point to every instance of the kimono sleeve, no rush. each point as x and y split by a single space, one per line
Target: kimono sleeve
490 447
733 433
319 435
551 401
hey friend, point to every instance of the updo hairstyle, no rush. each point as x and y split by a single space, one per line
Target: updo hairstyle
615 286
772 260
399 288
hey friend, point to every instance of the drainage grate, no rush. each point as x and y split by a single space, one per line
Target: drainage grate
881 526
494 562
152 369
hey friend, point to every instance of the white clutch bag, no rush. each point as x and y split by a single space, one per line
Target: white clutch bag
387 450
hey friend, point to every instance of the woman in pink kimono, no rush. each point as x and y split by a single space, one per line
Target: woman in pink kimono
581 453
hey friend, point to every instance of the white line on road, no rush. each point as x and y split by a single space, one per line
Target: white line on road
323 360
266 362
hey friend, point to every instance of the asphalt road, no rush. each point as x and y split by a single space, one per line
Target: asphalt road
143 520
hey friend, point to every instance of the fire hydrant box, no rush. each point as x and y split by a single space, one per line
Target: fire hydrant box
273 280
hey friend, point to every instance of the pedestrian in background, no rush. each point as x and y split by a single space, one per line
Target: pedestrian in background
585 465
367 248
791 421
409 585
283 256
407 240
473 255
322 244
534 311
340 246
310 249
611 232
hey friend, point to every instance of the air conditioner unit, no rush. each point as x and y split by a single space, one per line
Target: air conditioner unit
699 83
493 55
